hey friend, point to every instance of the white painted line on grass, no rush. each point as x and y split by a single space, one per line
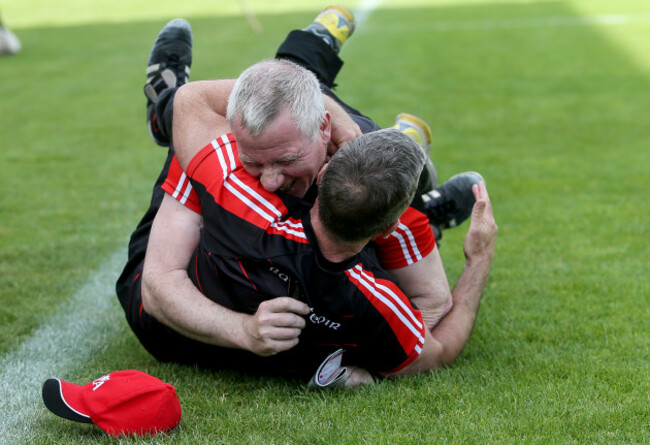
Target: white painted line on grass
87 323
543 22
364 10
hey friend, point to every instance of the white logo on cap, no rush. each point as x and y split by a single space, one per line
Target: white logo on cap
100 381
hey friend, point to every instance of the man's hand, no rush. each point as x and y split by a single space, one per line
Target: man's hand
344 129
276 325
358 376
482 234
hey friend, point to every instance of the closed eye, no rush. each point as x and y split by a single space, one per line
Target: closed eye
251 164
289 159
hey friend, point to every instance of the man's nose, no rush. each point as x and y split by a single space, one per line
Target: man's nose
271 179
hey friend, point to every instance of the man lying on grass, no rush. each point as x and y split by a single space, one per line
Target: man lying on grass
195 329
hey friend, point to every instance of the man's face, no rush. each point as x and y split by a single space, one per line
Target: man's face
281 157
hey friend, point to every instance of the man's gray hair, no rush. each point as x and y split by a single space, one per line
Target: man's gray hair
369 183
271 86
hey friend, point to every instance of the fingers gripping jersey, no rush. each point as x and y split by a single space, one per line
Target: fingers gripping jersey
255 243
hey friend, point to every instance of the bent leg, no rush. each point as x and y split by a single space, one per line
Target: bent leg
168 67
311 52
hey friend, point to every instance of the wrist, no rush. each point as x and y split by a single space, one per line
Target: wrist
479 260
476 272
243 337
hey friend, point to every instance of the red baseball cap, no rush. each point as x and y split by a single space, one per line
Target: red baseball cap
120 403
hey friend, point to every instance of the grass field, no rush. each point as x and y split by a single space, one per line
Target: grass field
549 100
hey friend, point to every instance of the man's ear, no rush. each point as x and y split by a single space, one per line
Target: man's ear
320 173
390 229
326 127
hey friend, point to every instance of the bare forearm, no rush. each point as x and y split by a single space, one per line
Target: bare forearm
169 295
447 340
199 116
454 330
174 301
479 246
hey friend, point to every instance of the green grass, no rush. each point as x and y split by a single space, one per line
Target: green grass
554 117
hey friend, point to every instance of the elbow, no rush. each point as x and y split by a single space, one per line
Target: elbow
181 94
185 99
149 302
449 355
441 355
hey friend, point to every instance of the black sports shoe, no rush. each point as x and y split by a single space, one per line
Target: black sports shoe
168 66
450 204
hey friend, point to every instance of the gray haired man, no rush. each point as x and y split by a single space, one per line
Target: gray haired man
284 159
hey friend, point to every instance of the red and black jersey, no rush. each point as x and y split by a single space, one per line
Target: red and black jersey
258 245
408 244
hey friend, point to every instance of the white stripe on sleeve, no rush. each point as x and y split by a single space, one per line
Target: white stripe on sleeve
383 294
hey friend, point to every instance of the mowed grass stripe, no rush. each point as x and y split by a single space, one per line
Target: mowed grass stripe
86 323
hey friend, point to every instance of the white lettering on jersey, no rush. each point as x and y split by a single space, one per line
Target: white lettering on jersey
323 320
